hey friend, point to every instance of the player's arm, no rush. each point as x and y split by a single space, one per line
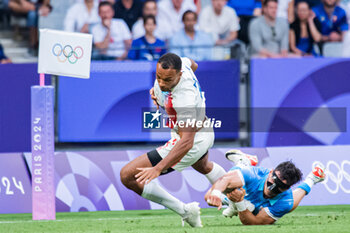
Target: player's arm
194 65
247 217
175 155
226 183
180 149
262 218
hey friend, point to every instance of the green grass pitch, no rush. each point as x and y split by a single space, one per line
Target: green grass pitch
304 219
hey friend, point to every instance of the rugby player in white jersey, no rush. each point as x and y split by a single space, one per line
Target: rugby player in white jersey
176 89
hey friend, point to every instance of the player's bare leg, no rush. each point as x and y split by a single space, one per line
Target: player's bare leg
317 175
152 191
203 166
128 172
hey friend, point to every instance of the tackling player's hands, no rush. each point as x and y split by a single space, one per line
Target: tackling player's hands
214 200
236 195
153 97
147 174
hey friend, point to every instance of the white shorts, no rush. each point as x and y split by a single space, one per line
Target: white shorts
203 141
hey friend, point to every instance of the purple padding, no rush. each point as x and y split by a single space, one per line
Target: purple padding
15 187
43 189
90 181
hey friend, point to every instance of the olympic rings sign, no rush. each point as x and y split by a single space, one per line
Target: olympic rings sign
337 178
67 53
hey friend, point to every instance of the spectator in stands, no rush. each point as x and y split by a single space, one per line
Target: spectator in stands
285 10
170 12
112 37
192 43
81 17
162 31
3 58
31 9
221 21
304 31
128 10
147 47
333 20
269 34
246 11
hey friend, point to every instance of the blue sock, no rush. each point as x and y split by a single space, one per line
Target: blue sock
304 186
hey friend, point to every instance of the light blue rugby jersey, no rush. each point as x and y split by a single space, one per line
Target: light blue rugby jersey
254 181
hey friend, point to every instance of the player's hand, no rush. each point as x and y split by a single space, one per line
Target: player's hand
213 200
153 97
236 195
147 174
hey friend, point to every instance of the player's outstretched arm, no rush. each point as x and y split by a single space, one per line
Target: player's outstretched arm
226 183
194 65
247 217
262 218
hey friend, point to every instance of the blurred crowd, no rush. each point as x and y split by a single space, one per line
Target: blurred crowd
146 29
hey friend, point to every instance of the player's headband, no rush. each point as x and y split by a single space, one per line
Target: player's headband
277 184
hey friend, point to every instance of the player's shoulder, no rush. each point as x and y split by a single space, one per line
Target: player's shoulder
186 62
259 171
252 172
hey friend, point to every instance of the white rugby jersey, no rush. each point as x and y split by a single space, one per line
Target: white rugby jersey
186 100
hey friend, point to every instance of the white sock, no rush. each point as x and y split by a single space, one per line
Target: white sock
215 173
153 192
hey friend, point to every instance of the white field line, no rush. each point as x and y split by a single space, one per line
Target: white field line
136 218
95 219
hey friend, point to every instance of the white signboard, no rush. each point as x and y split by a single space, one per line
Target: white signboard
65 53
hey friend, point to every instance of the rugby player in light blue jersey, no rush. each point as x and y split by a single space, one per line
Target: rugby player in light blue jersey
259 195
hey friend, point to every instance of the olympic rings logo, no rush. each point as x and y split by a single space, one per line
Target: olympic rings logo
338 178
67 53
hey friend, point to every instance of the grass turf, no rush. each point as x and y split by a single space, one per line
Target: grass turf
304 219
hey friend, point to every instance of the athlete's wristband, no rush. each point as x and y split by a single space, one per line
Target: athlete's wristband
241 206
216 193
